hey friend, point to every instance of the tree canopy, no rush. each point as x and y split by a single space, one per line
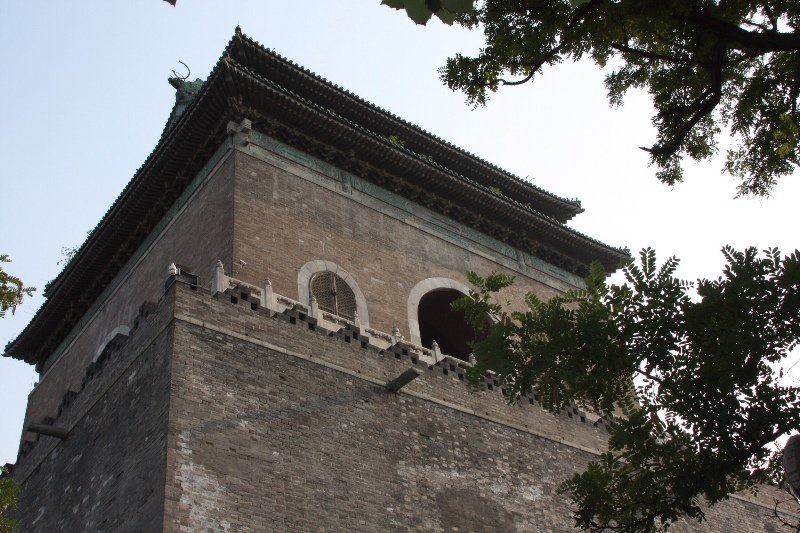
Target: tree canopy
692 371
12 290
707 64
8 501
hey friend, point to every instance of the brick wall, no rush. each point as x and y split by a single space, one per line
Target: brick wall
273 425
274 221
282 221
277 427
196 235
215 416
108 474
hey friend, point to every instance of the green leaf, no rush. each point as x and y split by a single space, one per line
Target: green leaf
446 16
667 52
9 491
396 4
418 11
696 424
12 290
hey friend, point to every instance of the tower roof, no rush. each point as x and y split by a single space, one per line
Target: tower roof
251 56
302 109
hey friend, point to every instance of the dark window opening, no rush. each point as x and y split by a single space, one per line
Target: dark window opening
438 321
333 294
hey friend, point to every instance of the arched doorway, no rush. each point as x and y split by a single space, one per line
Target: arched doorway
438 321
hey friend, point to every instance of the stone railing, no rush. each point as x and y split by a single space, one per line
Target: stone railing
266 298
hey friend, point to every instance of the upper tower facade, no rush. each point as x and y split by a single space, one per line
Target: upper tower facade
290 121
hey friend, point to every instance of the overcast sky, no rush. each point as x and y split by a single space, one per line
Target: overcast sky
84 97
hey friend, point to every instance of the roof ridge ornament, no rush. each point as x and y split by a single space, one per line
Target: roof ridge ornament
177 77
219 281
185 91
267 297
397 338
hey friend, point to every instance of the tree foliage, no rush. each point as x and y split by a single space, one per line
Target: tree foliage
707 64
12 290
8 501
421 11
692 371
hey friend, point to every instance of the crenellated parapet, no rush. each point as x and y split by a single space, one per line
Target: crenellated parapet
40 438
324 366
272 306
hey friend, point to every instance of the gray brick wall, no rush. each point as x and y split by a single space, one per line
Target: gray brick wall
276 427
226 419
197 235
283 220
108 474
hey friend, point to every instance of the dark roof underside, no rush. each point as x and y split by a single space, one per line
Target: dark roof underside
301 109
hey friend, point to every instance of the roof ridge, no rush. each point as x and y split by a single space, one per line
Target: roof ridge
575 203
515 203
167 131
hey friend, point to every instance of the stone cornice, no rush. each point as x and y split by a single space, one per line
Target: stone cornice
294 78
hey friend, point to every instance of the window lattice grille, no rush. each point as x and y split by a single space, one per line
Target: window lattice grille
333 294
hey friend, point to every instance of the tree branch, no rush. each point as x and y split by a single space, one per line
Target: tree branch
649 376
755 25
624 48
525 79
701 107
580 14
777 514
771 16
762 42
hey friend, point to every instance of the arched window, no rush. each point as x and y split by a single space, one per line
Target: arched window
334 288
333 294
438 321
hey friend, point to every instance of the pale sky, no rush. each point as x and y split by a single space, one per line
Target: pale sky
84 97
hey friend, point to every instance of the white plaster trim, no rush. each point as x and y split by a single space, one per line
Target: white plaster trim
321 265
119 330
421 289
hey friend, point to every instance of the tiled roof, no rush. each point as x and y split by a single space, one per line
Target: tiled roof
256 58
250 81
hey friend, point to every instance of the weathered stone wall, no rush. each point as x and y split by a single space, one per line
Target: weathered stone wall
196 233
262 213
272 425
278 427
263 440
108 474
287 214
215 416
